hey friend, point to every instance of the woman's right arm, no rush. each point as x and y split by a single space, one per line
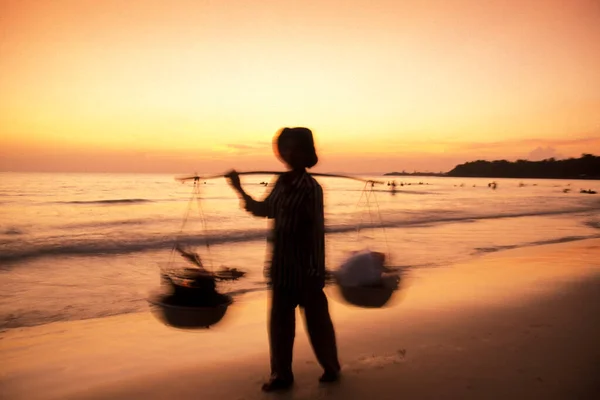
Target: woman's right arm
258 208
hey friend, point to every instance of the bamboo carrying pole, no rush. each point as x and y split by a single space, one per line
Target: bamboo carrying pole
199 178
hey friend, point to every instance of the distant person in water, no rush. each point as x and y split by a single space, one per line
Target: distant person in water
296 273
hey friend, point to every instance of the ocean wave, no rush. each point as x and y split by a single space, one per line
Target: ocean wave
111 224
593 224
110 245
111 201
389 191
12 231
437 219
564 239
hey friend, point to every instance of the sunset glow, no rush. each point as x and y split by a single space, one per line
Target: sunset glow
157 86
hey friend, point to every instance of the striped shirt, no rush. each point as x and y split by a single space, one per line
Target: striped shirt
297 239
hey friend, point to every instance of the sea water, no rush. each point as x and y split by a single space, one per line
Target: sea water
76 246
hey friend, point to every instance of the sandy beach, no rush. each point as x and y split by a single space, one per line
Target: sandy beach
267 142
527 330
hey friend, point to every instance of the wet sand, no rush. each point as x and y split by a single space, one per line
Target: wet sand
522 324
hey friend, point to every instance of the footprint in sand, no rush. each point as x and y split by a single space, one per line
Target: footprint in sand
375 361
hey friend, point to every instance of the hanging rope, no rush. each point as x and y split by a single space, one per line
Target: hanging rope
382 225
204 224
367 193
197 197
186 215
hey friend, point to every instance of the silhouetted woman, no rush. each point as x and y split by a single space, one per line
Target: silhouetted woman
296 273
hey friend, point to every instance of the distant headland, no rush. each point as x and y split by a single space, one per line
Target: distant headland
585 167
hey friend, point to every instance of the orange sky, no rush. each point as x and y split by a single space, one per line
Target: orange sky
202 85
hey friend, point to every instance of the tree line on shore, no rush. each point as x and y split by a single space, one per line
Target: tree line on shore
585 167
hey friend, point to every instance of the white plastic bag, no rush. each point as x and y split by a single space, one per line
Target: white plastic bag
363 268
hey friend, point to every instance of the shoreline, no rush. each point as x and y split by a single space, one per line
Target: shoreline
449 333
493 252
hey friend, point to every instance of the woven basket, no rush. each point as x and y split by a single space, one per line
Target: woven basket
186 317
367 296
370 296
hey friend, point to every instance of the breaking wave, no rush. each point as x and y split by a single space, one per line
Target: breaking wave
593 224
12 231
111 201
110 245
565 239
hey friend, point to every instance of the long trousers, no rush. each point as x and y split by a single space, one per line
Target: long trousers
282 329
